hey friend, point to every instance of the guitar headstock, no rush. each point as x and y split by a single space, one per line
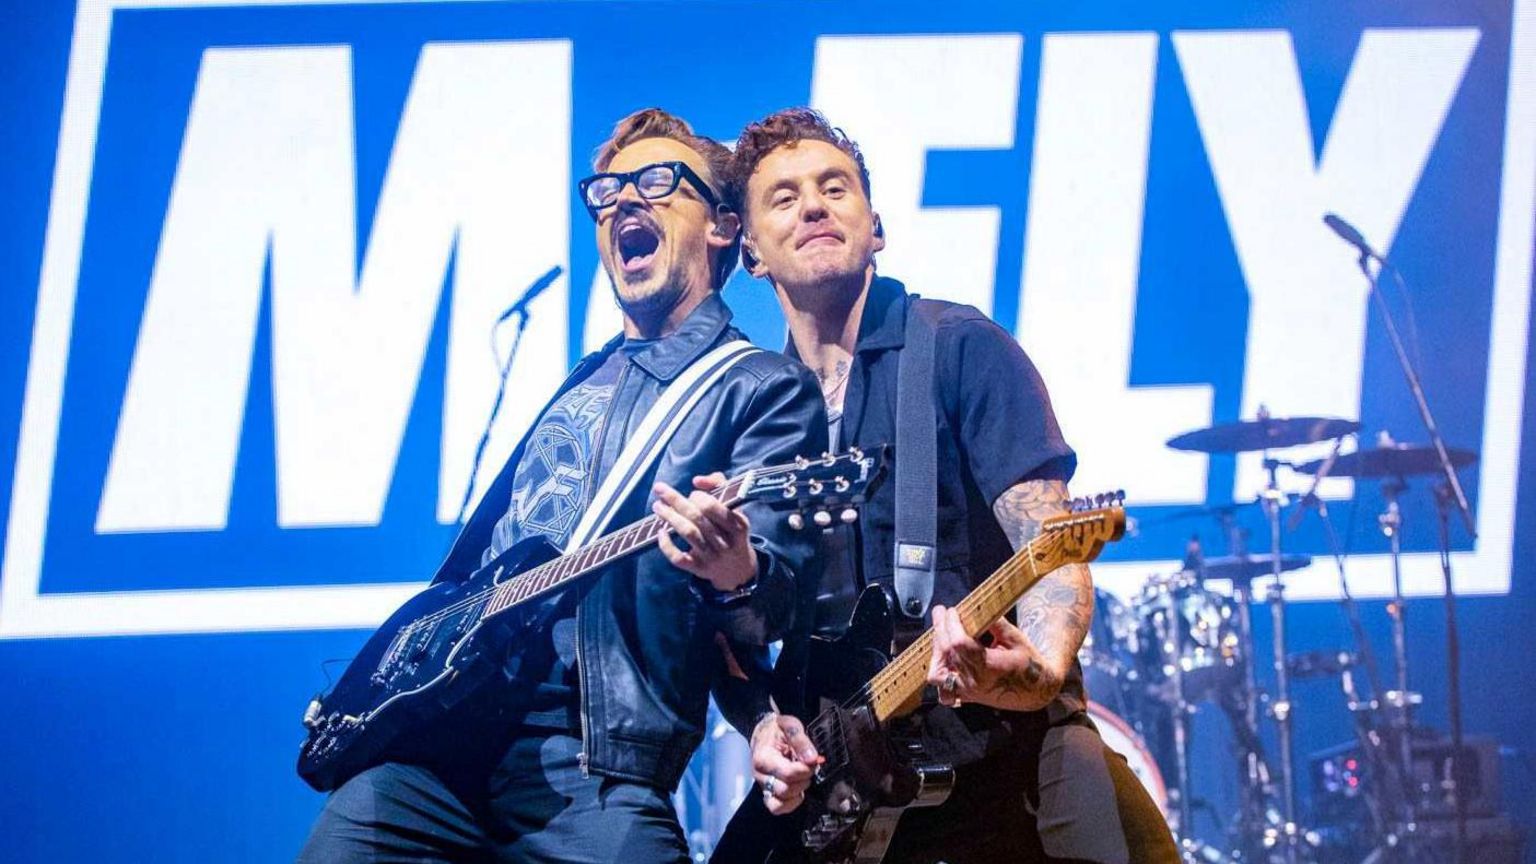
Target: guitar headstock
1079 536
820 491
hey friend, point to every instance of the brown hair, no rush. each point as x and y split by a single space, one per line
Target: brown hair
785 127
657 123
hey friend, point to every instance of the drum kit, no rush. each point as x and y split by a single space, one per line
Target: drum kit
1186 643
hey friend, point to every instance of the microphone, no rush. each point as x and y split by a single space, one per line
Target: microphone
534 290
1351 235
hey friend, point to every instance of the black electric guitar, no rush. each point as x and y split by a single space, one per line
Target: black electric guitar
870 775
447 641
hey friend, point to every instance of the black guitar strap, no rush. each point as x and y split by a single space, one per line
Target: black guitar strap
917 472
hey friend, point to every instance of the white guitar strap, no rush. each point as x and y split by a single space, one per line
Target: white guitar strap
652 435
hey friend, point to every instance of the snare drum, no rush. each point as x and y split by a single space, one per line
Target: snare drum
1119 737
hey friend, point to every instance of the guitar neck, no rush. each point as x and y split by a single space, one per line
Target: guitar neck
898 684
560 572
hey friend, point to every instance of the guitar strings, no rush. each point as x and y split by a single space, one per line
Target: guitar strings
905 664
486 593
887 679
731 488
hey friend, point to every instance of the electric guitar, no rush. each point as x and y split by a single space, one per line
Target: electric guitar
453 637
870 776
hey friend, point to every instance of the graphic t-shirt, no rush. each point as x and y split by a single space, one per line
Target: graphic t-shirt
555 478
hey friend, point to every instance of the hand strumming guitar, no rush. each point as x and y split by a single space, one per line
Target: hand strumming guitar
783 761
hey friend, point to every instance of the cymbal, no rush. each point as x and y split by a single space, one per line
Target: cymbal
1244 567
1266 434
1396 460
1219 512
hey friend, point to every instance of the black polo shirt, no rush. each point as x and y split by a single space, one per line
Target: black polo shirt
995 430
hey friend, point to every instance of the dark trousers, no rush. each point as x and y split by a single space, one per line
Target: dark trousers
532 807
1060 796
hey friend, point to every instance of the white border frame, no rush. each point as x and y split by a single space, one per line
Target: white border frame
26 613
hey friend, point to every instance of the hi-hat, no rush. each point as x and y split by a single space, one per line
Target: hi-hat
1245 567
1271 433
1395 460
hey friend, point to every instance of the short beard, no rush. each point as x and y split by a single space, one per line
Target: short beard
653 308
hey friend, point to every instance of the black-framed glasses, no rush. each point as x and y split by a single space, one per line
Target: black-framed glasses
657 180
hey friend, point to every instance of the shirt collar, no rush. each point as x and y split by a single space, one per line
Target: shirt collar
883 324
672 354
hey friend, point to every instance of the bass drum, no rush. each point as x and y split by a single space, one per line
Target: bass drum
1121 738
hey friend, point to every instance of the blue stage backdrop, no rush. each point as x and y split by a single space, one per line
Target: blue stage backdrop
251 255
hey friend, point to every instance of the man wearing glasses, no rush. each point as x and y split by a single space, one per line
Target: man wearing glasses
574 759
1034 782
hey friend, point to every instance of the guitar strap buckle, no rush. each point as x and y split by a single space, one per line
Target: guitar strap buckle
914 577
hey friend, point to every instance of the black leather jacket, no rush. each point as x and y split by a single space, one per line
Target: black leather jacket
647 643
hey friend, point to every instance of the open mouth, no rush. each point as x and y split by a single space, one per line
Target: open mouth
636 242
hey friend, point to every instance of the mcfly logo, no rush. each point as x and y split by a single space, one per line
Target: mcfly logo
278 237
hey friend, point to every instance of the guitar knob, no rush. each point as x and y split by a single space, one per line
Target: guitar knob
796 522
312 714
822 518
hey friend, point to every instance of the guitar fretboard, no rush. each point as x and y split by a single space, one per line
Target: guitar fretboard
551 575
1065 539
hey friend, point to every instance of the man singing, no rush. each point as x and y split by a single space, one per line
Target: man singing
1035 782
572 757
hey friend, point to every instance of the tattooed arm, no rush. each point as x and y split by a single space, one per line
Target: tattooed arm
1020 668
1055 614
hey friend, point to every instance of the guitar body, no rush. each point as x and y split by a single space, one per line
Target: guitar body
449 640
872 772
874 766
430 654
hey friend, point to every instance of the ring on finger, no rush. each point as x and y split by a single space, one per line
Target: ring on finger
768 785
952 683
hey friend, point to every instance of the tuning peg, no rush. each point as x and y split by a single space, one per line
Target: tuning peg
796 522
1119 497
822 518
849 516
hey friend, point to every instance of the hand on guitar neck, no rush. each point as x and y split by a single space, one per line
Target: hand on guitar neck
719 538
1000 668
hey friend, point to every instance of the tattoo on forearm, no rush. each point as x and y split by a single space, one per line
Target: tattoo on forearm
1021 682
1055 614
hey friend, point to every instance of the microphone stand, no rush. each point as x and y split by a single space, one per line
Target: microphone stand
1453 493
520 309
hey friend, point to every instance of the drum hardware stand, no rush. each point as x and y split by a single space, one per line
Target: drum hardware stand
1280 708
1167 636
1394 819
1445 497
1253 778
1400 701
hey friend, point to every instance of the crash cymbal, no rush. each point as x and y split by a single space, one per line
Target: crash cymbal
1270 433
1395 460
1245 567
